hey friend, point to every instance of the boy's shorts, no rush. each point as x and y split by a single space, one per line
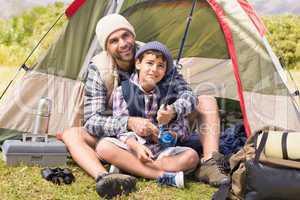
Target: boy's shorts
170 151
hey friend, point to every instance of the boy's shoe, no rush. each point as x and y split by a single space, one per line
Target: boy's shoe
114 169
172 179
213 171
109 185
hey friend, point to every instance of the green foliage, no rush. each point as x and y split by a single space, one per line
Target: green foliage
285 38
20 34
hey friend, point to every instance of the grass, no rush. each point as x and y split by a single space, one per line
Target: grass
24 182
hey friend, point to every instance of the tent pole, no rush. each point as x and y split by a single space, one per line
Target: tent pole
178 66
23 66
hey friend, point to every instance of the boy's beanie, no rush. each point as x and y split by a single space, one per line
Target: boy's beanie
109 24
155 45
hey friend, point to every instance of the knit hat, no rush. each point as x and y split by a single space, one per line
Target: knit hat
109 24
155 45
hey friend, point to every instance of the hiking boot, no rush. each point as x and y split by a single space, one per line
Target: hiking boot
214 171
110 185
172 179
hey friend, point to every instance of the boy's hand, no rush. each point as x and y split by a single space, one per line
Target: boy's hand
143 153
141 126
165 114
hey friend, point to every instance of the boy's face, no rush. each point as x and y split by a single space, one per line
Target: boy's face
120 44
152 69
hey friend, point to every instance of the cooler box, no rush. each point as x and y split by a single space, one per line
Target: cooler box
45 154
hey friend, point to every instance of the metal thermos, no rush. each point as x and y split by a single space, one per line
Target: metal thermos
42 117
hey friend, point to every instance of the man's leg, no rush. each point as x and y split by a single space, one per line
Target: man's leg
81 146
211 169
209 128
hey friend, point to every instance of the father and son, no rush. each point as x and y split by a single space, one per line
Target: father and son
135 81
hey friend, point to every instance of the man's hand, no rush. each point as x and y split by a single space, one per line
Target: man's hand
143 127
165 114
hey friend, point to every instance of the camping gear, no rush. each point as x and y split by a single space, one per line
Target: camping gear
43 153
283 145
226 54
42 118
256 176
58 175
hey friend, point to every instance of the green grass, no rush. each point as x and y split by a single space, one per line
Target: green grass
24 182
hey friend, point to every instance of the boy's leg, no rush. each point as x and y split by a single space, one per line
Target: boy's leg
130 163
126 161
81 146
183 161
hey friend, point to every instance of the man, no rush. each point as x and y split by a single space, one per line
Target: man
115 64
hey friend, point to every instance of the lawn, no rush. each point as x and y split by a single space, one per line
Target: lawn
24 182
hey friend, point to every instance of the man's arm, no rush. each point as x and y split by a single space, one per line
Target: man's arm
186 102
96 122
180 127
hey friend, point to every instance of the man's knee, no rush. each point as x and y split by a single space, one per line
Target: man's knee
77 136
206 104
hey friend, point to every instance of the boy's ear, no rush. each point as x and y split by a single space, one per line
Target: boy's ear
137 65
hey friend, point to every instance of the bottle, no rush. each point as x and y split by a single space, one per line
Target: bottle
166 139
42 117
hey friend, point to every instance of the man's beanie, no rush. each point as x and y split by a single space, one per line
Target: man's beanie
109 24
158 47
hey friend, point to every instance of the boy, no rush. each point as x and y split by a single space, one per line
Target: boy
142 96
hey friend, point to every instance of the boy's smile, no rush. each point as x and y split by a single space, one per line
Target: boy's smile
152 69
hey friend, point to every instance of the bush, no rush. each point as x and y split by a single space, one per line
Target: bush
284 37
20 34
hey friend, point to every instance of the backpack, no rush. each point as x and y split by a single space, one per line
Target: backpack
257 176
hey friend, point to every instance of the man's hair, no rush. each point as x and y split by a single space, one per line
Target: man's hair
157 53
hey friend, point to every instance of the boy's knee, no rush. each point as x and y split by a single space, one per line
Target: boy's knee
192 158
105 149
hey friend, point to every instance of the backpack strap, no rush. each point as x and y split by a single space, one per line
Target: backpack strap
284 146
261 146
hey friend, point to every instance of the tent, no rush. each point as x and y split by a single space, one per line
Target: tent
226 54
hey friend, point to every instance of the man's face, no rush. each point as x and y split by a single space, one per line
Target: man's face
152 69
120 44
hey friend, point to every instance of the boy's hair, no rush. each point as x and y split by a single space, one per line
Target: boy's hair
157 53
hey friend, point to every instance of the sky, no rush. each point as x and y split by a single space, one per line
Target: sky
263 7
